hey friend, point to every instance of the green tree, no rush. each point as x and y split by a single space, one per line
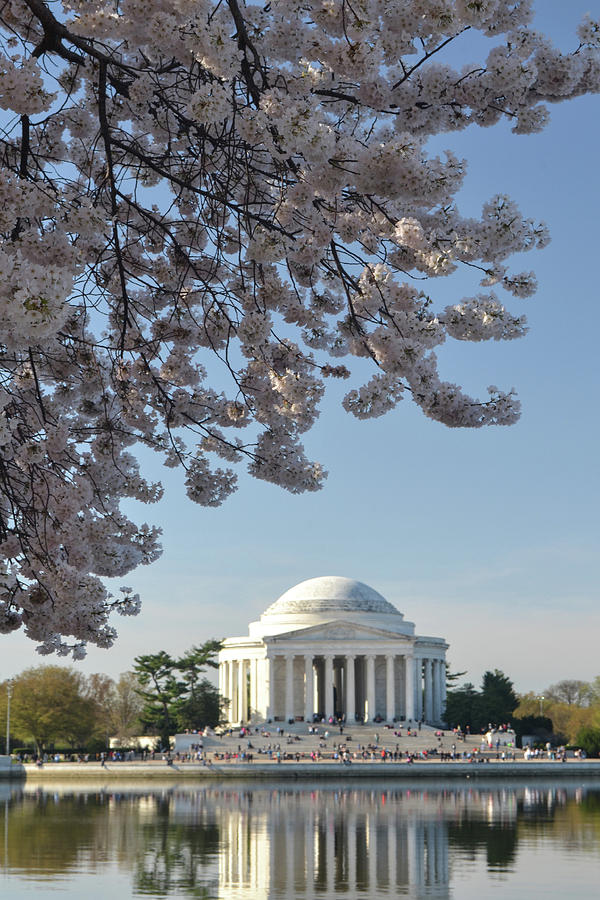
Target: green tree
205 707
159 688
539 727
173 692
49 705
496 702
529 705
452 678
589 740
459 705
200 703
193 663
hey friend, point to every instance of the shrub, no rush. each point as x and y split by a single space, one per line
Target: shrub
588 739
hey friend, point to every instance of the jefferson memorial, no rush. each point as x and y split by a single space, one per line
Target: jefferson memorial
333 648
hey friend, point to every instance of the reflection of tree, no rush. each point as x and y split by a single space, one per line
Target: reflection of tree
47 838
590 803
52 837
549 814
472 835
173 858
573 825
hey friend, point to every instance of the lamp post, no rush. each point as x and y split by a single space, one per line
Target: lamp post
541 699
9 687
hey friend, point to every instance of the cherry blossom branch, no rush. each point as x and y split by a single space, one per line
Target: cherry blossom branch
246 185
114 205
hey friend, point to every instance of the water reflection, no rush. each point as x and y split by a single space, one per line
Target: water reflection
330 843
285 842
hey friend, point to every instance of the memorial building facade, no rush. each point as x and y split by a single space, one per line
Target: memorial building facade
333 648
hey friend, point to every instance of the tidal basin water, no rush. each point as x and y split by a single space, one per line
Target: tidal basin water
326 840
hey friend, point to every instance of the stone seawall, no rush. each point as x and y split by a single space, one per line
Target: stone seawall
190 772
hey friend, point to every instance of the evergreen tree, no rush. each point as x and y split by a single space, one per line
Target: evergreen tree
201 703
497 700
459 706
205 707
493 704
174 693
159 689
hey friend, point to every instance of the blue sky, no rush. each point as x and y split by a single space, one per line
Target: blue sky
488 538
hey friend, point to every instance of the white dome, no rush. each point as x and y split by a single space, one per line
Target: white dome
330 593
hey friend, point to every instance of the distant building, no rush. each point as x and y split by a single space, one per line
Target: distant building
333 648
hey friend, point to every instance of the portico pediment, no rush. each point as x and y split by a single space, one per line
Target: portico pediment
336 631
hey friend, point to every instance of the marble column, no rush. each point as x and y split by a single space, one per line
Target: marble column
418 688
253 700
350 709
233 676
328 686
223 680
230 689
241 692
390 688
409 687
443 716
270 689
226 689
437 692
262 687
428 691
370 660
245 698
289 687
309 689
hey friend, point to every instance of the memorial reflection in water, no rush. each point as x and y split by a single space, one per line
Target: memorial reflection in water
323 843
282 842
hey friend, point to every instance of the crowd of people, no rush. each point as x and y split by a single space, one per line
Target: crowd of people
331 742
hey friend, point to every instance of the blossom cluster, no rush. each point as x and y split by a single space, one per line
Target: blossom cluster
206 210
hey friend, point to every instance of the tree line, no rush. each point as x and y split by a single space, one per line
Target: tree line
573 708
566 712
57 706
